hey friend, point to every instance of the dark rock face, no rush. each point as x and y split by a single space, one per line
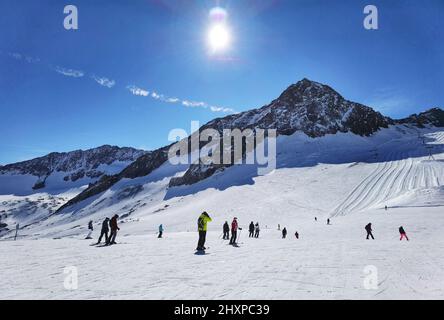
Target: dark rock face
434 117
143 166
310 107
77 163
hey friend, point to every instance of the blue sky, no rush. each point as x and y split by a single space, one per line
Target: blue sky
51 98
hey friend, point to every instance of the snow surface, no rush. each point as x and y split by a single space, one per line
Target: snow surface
344 177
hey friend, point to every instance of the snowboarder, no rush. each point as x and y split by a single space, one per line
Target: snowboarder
251 229
226 231
90 228
202 222
104 231
160 231
114 229
328 221
284 233
256 230
369 230
234 226
403 233
296 235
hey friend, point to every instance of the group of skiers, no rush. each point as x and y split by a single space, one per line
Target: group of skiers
202 222
107 225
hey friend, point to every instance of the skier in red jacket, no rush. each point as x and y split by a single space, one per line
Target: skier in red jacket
234 227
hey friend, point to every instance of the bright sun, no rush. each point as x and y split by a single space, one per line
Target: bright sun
218 37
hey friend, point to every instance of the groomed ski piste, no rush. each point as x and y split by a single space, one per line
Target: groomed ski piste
347 178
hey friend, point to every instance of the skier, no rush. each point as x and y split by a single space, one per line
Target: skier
234 226
17 226
284 233
104 231
251 229
316 218
226 230
403 234
160 231
328 221
279 227
386 208
204 218
368 228
114 229
296 235
256 230
90 228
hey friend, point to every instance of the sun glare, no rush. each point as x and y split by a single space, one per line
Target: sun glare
218 37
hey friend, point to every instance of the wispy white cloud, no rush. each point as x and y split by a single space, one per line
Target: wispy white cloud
173 100
138 91
109 83
69 72
104 81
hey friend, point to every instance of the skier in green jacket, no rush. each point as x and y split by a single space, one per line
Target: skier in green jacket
202 228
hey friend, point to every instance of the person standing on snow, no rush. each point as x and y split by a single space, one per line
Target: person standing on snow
296 235
226 230
90 228
403 233
104 231
251 229
160 231
369 230
256 230
234 227
328 221
114 228
202 222
284 233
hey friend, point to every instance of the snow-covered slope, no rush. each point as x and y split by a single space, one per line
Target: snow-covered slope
352 173
344 177
31 190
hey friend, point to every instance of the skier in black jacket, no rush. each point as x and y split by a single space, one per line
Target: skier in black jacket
104 231
369 230
226 231
251 229
284 233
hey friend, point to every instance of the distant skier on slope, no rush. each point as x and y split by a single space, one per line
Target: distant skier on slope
90 230
160 231
114 229
104 231
328 221
369 230
251 229
296 235
256 230
284 233
202 222
386 208
403 233
226 230
316 218
234 227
